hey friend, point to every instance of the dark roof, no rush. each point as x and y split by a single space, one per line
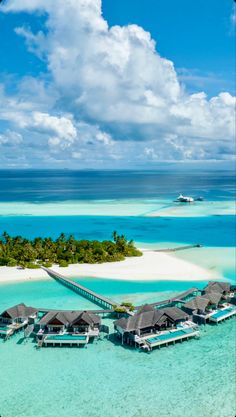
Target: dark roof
138 321
197 303
145 307
175 313
89 318
19 311
217 286
70 317
213 297
150 318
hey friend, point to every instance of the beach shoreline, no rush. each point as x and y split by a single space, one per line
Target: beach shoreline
152 266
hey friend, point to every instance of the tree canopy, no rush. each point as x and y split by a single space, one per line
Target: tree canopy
65 250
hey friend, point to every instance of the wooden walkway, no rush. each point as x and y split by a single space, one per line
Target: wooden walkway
80 289
197 245
180 298
107 303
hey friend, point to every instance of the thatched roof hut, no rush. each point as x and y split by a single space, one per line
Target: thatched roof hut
19 311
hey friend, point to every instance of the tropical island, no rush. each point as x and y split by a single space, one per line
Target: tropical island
27 253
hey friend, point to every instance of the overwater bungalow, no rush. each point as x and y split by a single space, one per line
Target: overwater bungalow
223 288
16 318
150 327
203 303
209 307
58 328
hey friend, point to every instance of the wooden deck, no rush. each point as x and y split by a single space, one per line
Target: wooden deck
172 337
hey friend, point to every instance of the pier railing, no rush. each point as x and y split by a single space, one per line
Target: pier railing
176 249
180 298
80 289
107 303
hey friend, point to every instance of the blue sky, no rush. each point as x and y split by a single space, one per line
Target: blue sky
125 83
195 35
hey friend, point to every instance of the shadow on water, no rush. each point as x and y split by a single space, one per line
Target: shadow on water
21 341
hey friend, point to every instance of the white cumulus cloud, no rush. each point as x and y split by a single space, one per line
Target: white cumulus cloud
115 86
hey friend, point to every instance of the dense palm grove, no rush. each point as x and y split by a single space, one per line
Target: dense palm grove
19 251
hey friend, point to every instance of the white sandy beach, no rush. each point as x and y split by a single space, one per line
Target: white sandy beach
152 266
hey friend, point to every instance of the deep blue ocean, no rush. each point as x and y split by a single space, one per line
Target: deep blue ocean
62 185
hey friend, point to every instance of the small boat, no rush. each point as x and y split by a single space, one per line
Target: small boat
184 199
199 199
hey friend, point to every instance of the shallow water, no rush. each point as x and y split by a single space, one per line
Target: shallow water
120 207
192 379
195 378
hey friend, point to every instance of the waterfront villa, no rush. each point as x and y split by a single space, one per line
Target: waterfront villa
148 327
151 327
16 318
203 303
67 327
223 288
211 306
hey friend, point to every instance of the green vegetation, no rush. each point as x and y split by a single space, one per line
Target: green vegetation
124 307
128 305
18 251
118 309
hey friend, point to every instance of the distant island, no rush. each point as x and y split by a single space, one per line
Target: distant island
26 253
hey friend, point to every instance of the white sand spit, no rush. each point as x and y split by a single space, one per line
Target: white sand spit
152 266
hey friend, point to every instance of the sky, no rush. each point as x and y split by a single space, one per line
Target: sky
116 83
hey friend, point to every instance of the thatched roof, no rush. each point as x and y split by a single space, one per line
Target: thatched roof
213 297
70 318
150 318
138 321
197 303
217 286
175 313
144 308
19 311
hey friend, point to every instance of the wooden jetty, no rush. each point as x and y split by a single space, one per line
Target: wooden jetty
108 303
197 245
180 298
80 289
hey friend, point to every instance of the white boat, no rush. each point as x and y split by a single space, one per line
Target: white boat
185 199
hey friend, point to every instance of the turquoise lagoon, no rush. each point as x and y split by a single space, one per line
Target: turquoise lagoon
192 379
195 378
